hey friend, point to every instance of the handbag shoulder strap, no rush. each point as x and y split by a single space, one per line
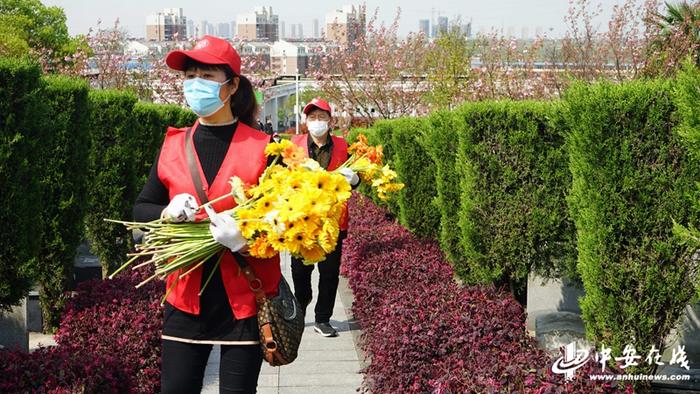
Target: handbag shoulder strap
194 171
254 283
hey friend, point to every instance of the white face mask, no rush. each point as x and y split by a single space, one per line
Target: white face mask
317 128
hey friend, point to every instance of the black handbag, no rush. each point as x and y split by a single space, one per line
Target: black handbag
280 319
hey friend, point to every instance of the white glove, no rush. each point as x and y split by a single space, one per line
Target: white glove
225 230
350 176
180 209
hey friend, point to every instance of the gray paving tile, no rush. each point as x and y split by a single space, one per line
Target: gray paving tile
318 390
269 370
320 367
268 381
336 355
316 379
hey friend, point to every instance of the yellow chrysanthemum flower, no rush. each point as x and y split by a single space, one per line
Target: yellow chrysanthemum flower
279 241
340 188
289 212
295 240
321 180
265 204
313 255
312 223
328 236
276 148
261 248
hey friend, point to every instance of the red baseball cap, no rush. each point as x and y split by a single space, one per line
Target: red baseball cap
317 103
208 50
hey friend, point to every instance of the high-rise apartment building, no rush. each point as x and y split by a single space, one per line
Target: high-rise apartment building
168 25
346 24
261 24
424 27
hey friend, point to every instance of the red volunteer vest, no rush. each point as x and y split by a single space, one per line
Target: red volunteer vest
339 155
245 159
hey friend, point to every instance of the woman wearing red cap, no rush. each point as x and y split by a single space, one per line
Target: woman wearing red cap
194 166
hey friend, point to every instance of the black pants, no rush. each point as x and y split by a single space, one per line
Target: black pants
329 270
183 364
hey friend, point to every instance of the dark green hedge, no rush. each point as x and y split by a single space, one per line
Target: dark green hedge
402 143
64 177
631 177
441 141
20 197
152 120
513 216
416 170
687 99
112 174
382 135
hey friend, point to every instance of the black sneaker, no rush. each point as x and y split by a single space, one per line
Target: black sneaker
325 330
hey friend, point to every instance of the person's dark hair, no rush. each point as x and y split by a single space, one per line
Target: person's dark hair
243 103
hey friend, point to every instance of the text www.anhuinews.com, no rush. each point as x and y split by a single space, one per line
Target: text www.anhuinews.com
638 377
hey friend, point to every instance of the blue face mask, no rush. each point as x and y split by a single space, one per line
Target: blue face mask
202 96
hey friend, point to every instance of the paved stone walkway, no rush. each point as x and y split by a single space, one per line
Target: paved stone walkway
324 365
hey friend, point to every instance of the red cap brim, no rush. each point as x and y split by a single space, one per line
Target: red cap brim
177 59
310 106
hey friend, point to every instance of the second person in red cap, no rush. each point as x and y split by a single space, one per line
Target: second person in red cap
330 152
193 167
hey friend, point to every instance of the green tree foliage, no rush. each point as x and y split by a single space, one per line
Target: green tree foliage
449 67
29 28
676 38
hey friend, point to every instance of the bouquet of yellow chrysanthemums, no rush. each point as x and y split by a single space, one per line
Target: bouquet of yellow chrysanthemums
295 207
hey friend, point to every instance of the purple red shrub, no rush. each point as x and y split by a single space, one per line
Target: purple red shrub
113 317
62 369
423 332
108 342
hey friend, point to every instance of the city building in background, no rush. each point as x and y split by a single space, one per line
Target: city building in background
169 25
316 26
346 24
424 27
205 28
191 33
467 29
288 58
442 25
222 30
261 24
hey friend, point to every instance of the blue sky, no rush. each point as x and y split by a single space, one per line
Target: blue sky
509 15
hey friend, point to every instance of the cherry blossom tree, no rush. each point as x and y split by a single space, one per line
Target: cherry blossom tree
676 36
378 74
